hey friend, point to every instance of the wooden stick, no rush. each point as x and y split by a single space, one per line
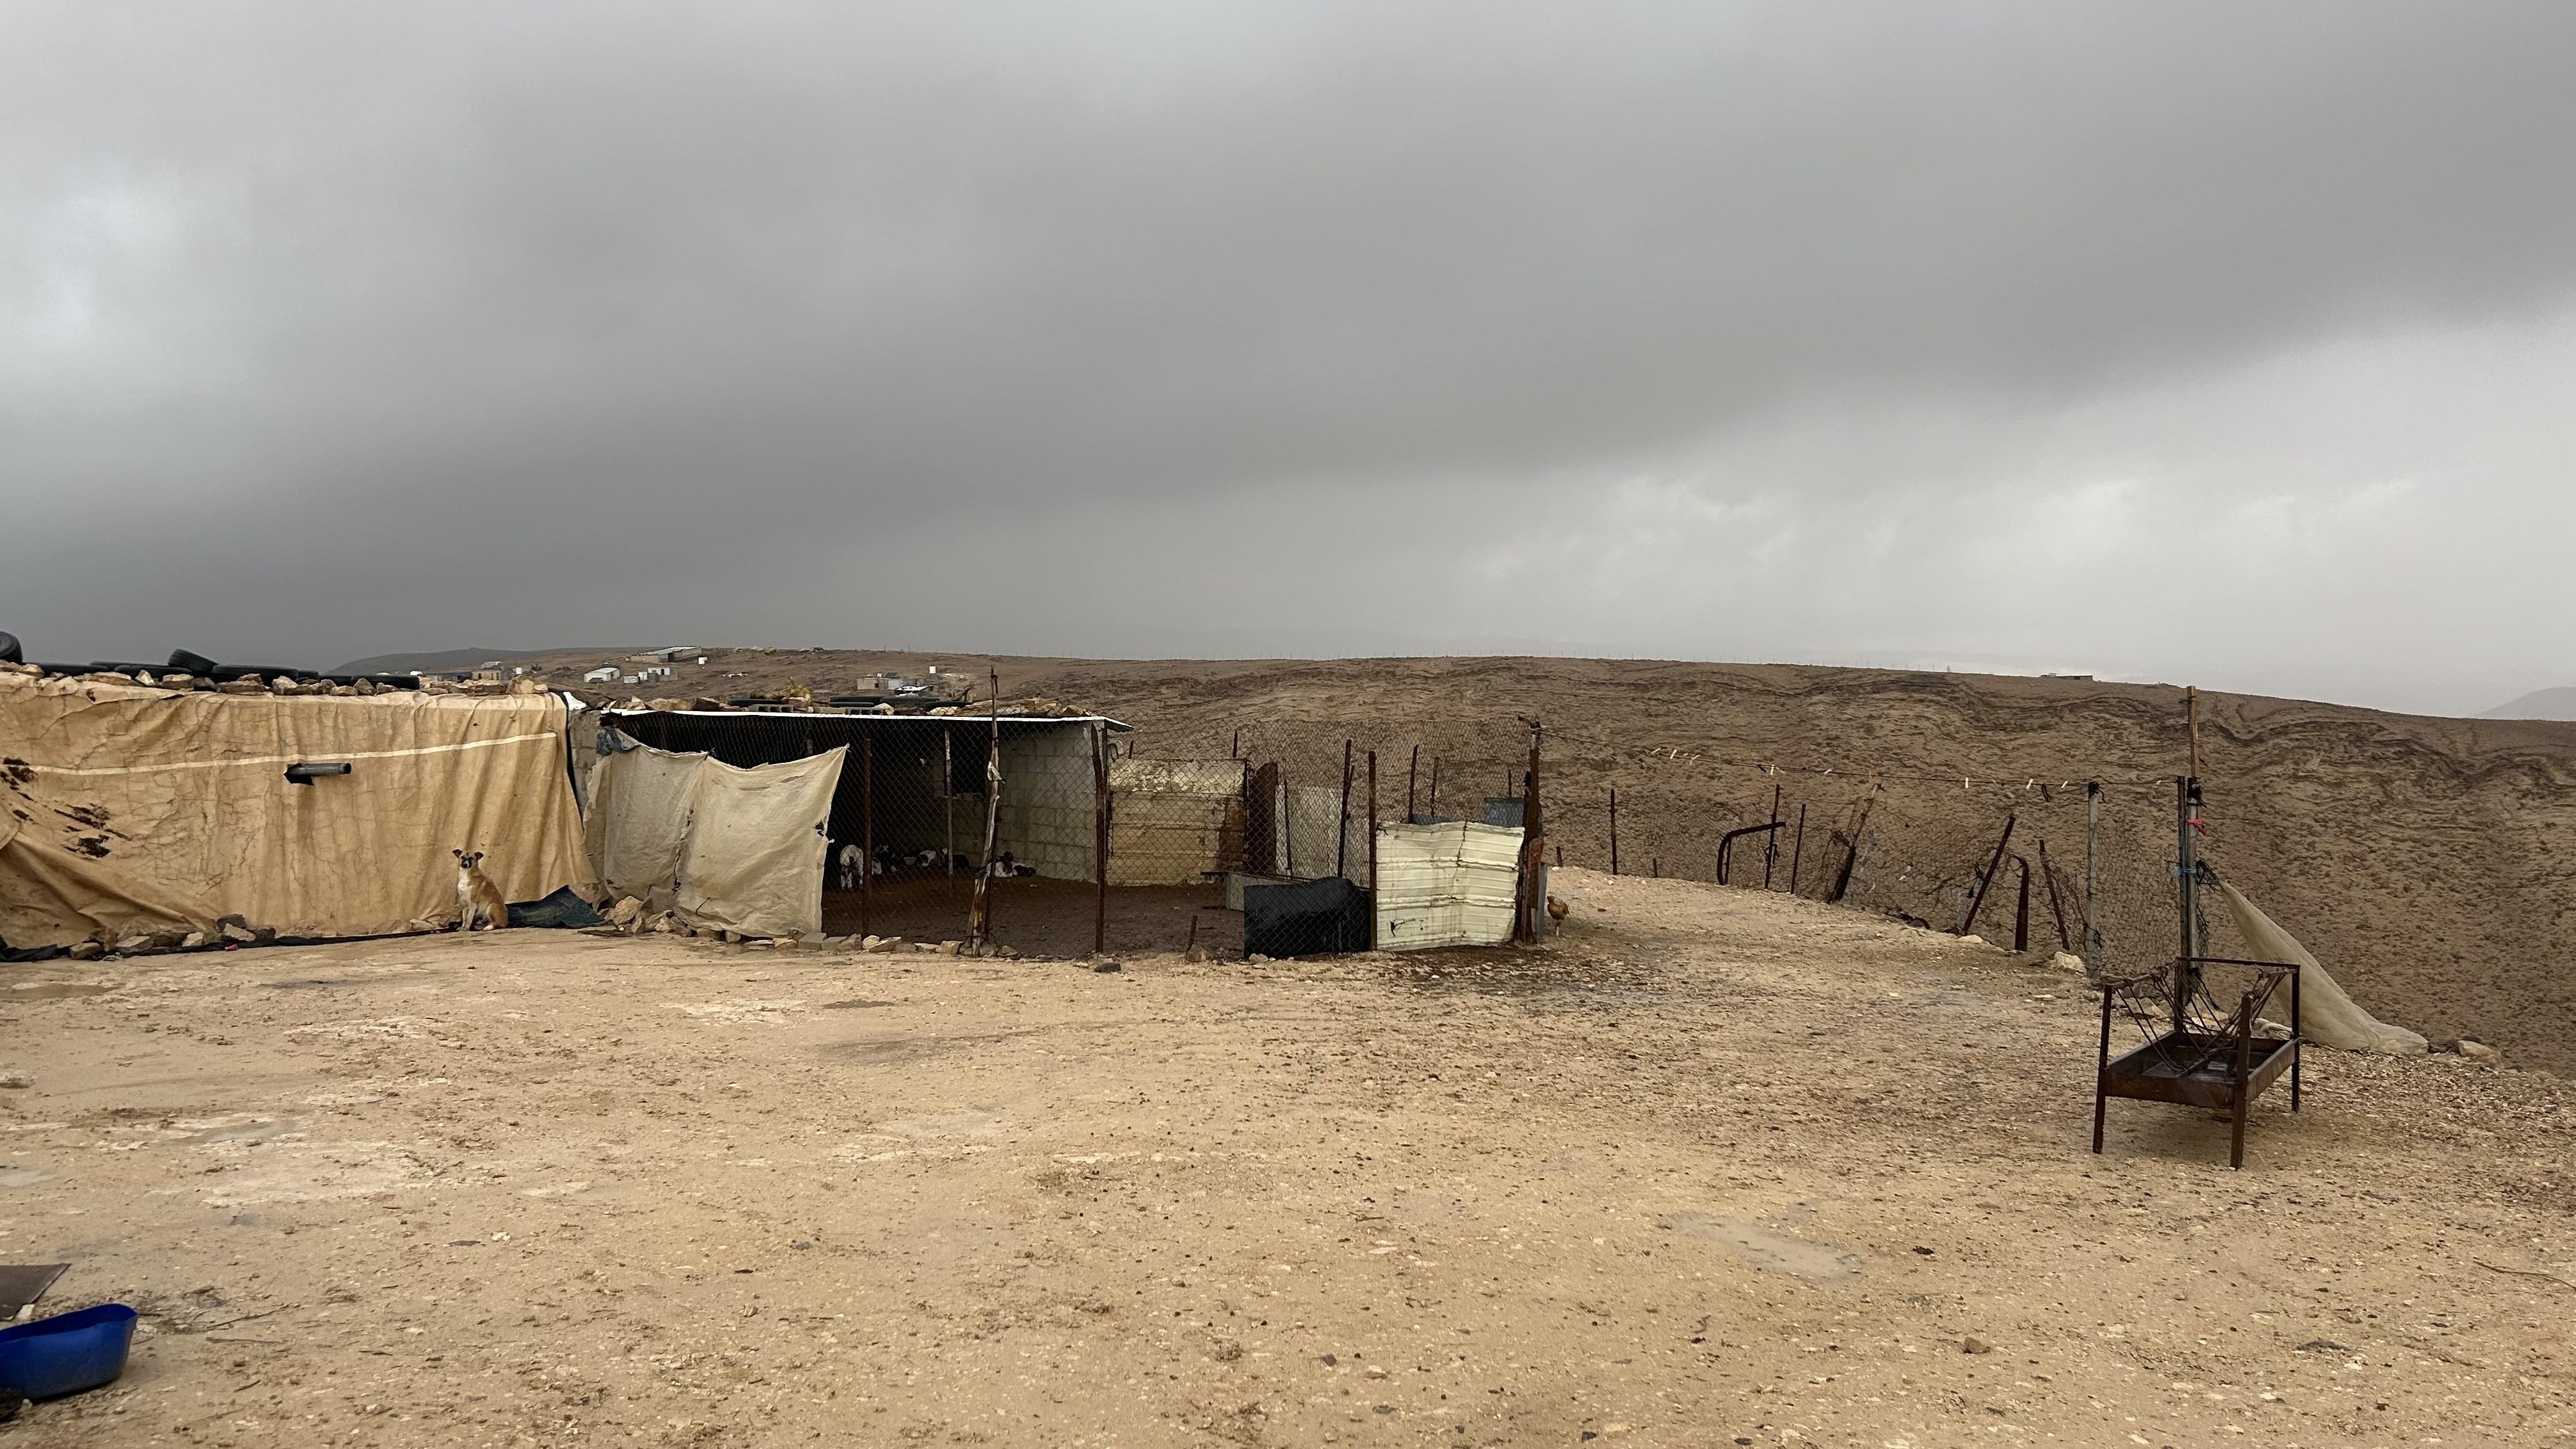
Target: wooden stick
2523 1273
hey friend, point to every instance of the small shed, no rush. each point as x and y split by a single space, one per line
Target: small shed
914 784
1175 822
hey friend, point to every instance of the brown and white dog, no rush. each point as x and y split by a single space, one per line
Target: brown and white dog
476 896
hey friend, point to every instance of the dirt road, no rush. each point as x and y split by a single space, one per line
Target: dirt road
1715 1167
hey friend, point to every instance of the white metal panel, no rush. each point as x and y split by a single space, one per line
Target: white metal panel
1445 885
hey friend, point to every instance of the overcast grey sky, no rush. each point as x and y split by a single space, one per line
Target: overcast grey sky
2219 343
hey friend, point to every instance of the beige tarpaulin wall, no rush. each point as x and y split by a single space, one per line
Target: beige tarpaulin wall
639 822
126 809
2326 1014
1445 885
732 849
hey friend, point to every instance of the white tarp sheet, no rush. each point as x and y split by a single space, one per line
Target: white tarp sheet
1445 885
2326 1014
730 848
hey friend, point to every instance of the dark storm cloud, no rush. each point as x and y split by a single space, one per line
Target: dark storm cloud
338 328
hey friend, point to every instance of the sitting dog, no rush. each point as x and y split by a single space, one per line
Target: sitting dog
476 896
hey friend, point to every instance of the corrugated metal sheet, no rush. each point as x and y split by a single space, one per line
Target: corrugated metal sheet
1445 885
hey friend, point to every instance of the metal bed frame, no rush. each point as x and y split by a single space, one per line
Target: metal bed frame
2195 1052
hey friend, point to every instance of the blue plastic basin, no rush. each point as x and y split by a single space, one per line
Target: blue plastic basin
68 1352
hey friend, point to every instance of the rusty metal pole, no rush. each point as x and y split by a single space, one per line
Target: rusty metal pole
1851 857
1614 830
948 808
1372 854
1342 821
2187 863
867 831
2021 909
1771 842
979 918
2191 717
1987 881
1798 851
1100 841
1410 771
2056 903
2093 878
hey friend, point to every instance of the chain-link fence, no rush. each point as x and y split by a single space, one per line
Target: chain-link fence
2025 863
1099 838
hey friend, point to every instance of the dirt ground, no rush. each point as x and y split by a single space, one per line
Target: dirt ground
1041 917
1714 1167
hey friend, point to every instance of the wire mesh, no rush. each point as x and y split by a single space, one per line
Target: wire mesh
1183 824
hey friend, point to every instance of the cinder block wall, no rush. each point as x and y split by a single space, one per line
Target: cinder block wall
1048 804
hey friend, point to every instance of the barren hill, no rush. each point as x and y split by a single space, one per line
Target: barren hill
2426 861
2557 704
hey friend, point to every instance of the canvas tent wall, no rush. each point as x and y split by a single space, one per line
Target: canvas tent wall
730 848
130 809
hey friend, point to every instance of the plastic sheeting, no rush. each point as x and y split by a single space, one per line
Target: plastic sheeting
128 809
2327 1015
1309 918
730 848
1445 885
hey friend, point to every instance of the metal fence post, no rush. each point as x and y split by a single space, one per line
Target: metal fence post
1798 851
867 830
1986 881
2021 908
1342 821
1372 851
2093 877
1614 830
979 918
1100 840
1771 840
2056 904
